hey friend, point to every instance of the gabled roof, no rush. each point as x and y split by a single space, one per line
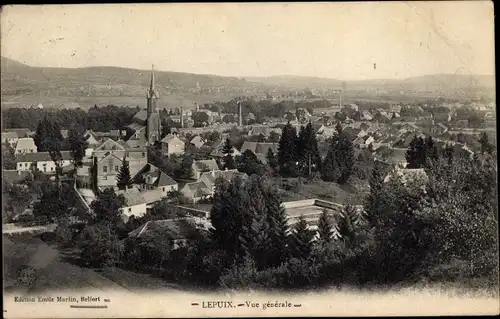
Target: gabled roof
132 197
13 176
110 155
205 165
40 157
8 135
171 138
110 145
198 189
197 140
136 127
227 175
263 148
152 196
142 115
165 180
252 146
21 132
25 143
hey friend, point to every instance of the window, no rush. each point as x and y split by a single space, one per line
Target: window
116 168
31 151
51 169
105 169
105 178
129 209
163 188
143 154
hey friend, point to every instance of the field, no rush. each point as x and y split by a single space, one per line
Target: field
86 102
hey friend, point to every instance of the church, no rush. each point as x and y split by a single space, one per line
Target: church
146 126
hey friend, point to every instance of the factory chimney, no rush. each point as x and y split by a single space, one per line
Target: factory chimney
240 118
182 117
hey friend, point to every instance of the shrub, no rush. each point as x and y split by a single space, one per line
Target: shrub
99 246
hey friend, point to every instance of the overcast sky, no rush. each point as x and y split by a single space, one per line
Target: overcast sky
335 40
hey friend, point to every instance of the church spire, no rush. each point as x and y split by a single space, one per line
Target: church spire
152 85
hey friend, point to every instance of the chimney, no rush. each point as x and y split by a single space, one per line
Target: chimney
182 117
240 120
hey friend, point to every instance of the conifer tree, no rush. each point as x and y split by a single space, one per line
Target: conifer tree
271 160
486 146
431 151
278 226
227 150
78 145
307 150
287 152
325 229
416 153
330 169
301 239
345 155
124 180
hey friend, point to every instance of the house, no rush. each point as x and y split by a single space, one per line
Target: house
439 129
172 144
9 137
108 158
15 176
218 150
366 116
135 204
391 156
366 141
352 132
209 178
21 132
175 232
263 130
40 161
197 141
151 197
201 166
92 141
196 191
25 145
161 181
259 147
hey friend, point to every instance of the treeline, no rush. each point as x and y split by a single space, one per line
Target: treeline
101 119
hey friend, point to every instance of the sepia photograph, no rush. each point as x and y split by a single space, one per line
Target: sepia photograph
198 160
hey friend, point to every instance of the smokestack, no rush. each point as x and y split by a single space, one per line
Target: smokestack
240 119
182 117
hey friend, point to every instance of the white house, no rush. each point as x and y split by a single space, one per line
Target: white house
201 166
161 181
135 204
41 161
171 144
9 137
25 145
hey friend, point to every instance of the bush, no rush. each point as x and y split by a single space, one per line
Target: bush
64 235
99 246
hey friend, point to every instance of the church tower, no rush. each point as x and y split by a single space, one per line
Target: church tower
153 124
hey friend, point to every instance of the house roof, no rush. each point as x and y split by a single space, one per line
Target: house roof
178 228
206 165
198 189
142 115
227 175
136 127
25 143
110 144
13 176
8 135
165 180
197 140
263 148
252 146
132 196
152 196
21 132
170 138
65 133
397 156
40 157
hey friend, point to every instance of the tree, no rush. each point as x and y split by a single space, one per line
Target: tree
106 208
271 160
330 169
416 153
124 180
345 155
301 239
227 150
249 163
8 156
307 149
274 137
99 245
431 151
287 151
325 229
486 146
77 145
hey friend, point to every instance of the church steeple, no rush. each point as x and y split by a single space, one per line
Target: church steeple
152 85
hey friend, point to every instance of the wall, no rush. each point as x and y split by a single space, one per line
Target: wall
136 210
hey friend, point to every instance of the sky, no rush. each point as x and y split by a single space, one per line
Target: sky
348 41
